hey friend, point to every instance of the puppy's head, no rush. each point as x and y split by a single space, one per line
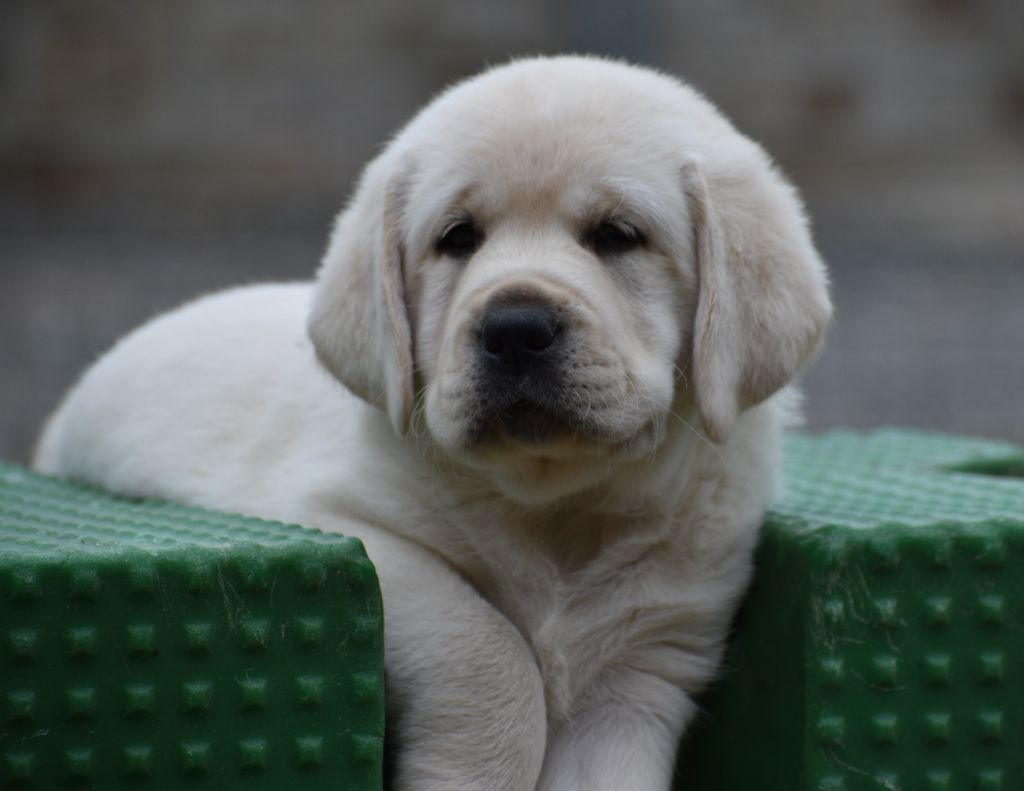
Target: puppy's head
556 259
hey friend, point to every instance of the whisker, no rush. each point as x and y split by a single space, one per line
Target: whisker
714 448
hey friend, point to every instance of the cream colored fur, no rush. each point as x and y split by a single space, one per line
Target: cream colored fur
552 607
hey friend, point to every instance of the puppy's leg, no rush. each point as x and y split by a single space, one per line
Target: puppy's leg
624 738
465 697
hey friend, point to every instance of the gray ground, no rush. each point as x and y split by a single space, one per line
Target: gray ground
925 336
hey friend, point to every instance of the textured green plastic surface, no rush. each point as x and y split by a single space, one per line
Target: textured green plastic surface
882 643
148 645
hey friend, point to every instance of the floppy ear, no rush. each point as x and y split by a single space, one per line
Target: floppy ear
358 324
763 302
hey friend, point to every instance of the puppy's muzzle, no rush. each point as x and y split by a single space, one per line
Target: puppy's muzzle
522 388
518 339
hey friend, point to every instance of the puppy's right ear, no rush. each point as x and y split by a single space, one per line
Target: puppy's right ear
359 325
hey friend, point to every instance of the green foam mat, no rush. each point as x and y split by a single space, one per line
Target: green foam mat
150 645
882 643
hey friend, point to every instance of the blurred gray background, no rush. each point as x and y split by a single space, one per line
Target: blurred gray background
152 151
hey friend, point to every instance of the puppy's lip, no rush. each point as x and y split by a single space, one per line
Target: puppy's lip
524 421
528 421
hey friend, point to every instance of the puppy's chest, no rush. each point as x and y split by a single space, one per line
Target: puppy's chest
576 636
583 605
569 655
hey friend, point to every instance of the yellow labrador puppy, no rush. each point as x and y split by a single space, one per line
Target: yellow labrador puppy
563 305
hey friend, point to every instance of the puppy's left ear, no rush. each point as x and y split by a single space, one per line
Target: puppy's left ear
763 303
359 324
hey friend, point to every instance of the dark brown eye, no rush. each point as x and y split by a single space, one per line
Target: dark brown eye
614 238
460 240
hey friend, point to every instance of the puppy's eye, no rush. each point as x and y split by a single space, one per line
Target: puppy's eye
614 238
460 240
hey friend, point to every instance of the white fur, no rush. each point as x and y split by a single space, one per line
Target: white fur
551 607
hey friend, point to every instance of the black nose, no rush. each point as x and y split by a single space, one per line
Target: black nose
516 339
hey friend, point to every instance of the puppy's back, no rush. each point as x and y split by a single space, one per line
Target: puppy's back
176 403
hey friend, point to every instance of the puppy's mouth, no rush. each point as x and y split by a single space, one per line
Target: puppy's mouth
527 421
533 411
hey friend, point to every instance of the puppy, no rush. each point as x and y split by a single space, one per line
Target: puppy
563 306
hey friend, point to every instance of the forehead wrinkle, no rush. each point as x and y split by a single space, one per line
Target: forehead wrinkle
572 194
431 209
556 192
631 198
